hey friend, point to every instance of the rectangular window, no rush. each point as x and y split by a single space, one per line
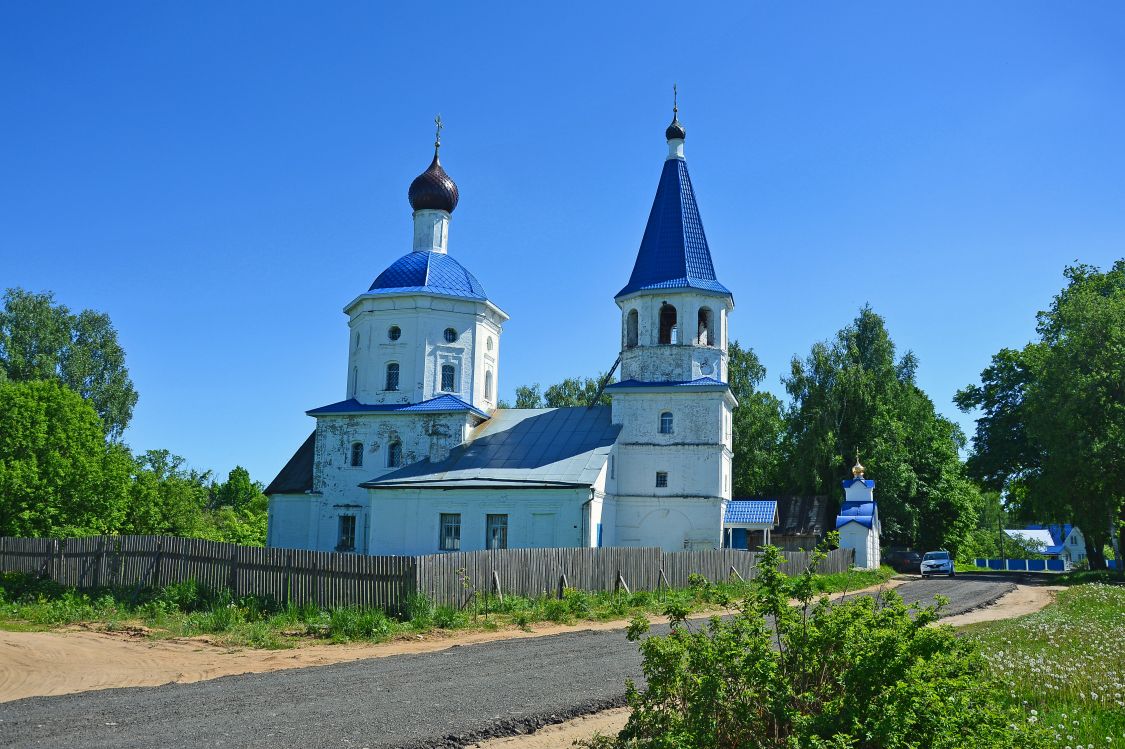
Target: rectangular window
346 540
599 535
661 478
450 538
447 378
496 532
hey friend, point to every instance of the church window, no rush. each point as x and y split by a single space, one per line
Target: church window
661 479
355 378
631 322
357 454
706 327
357 340
450 335
612 471
392 376
496 532
346 538
449 538
394 454
488 386
666 422
668 330
394 332
447 378
488 343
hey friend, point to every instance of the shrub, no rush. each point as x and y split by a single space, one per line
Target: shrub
867 673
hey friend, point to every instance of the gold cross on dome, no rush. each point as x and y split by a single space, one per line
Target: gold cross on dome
437 137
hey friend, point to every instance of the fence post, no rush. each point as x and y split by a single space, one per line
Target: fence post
621 584
496 586
734 572
562 584
288 578
232 579
664 579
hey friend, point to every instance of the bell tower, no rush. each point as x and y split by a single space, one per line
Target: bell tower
673 401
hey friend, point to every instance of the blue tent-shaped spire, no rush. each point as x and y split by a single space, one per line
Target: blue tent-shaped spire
674 252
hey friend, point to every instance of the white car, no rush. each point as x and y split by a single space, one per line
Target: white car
937 563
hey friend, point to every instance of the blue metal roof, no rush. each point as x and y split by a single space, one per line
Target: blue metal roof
1059 533
751 512
445 403
700 382
428 272
674 252
866 482
856 512
520 447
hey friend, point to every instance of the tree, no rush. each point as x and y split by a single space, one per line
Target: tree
573 391
852 395
42 340
167 498
1052 431
757 427
58 475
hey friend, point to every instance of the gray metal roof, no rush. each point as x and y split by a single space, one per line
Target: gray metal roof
297 475
523 447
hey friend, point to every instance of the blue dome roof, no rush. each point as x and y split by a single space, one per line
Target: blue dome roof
428 272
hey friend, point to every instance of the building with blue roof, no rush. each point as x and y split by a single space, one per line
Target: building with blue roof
1054 541
418 458
858 520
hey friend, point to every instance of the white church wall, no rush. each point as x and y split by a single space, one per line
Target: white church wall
651 361
292 521
670 523
407 521
858 537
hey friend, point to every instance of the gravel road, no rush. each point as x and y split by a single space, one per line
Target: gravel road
441 699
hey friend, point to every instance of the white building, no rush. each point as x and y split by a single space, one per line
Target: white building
419 459
1064 542
858 521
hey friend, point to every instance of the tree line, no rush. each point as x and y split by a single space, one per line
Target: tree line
65 401
1049 445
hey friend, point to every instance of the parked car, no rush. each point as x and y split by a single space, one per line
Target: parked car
937 563
903 560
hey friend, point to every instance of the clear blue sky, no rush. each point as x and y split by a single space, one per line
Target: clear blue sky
221 178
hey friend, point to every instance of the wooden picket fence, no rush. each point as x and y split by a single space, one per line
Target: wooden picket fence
330 579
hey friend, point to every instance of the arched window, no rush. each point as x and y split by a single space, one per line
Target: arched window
488 386
631 322
447 378
392 376
666 422
706 327
357 340
357 455
394 454
668 330
355 380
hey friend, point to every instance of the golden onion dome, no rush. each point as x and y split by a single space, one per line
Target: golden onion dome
857 469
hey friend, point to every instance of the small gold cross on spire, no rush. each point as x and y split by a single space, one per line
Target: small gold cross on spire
437 136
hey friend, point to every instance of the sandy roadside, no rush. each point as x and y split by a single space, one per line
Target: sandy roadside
53 663
1025 599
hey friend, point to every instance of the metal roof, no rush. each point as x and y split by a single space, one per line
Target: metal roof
856 512
521 447
428 272
443 403
674 252
297 475
751 512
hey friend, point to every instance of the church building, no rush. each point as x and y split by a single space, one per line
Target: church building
418 458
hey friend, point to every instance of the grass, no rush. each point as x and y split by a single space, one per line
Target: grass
1065 664
188 609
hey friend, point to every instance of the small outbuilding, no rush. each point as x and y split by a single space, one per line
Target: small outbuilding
744 517
858 521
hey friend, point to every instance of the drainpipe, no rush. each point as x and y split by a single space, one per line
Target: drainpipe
585 535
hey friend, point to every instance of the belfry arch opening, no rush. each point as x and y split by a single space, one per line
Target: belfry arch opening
669 330
632 322
706 327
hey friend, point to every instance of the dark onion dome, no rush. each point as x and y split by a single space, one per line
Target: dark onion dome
675 130
433 189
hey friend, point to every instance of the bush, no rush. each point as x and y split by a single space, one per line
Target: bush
867 673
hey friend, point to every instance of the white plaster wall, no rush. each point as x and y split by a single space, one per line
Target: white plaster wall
406 521
1074 552
671 523
292 521
865 542
421 349
650 361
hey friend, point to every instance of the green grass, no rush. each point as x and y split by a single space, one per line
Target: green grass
1066 663
188 610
